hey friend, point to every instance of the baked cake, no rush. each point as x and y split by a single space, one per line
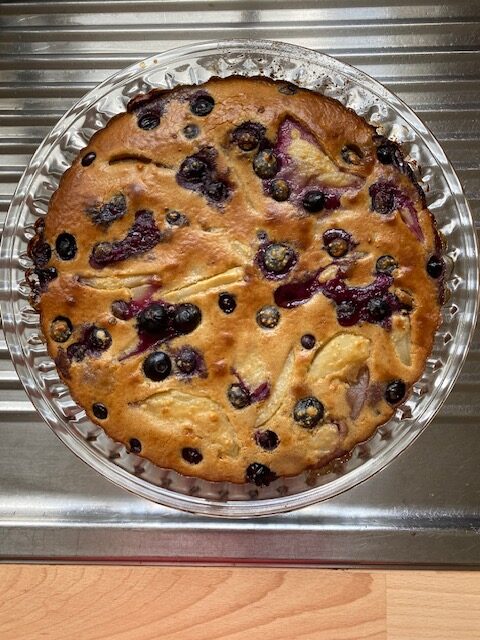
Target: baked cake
239 280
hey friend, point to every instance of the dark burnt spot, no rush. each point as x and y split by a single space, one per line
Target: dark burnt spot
106 213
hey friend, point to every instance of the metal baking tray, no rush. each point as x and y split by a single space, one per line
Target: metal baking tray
424 509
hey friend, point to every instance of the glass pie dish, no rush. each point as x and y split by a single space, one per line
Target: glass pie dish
192 65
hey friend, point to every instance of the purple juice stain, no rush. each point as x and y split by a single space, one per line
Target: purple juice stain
106 213
262 392
198 173
353 304
141 237
299 184
387 197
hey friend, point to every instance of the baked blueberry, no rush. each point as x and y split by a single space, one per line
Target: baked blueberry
216 191
66 246
260 474
40 251
278 257
76 351
106 213
186 360
268 316
288 89
386 264
45 276
227 302
202 104
191 131
99 339
337 248
267 439
307 341
193 169
379 308
100 411
135 445
148 121
346 313
351 154
157 366
61 329
88 158
176 219
238 396
247 136
187 317
120 309
313 201
265 164
153 319
308 412
383 198
395 391
279 190
386 153
435 266
191 455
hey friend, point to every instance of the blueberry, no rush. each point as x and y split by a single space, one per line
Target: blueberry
193 169
278 257
202 104
61 329
176 219
313 201
351 154
157 366
135 445
279 190
435 266
40 252
187 317
76 351
66 246
338 247
186 360
379 308
308 412
346 313
227 302
191 455
386 264
45 276
99 339
120 309
386 153
383 198
106 213
287 89
99 410
247 136
238 396
265 164
260 474
268 440
307 341
153 319
191 131
88 158
216 191
148 121
268 316
395 391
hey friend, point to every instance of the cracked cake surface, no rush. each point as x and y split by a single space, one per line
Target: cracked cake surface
238 280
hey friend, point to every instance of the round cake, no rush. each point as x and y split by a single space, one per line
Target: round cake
239 280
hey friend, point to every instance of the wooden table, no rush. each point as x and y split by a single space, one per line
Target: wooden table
149 603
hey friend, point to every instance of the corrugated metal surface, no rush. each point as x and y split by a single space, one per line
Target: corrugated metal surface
429 54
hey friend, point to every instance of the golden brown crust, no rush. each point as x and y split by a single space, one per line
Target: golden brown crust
320 146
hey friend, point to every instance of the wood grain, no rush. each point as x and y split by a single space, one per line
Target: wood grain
152 603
